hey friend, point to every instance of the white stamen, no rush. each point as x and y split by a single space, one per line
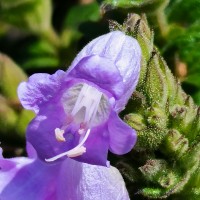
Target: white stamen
81 131
76 151
86 104
89 97
59 135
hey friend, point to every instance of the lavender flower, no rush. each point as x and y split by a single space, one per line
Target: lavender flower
33 179
77 111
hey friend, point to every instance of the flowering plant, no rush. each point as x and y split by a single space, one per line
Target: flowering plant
77 111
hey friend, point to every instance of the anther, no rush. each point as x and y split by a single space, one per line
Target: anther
81 131
59 135
77 152
83 128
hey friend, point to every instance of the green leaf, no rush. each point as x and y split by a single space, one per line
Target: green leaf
10 77
31 15
193 78
82 13
196 97
40 54
184 11
41 47
188 44
41 62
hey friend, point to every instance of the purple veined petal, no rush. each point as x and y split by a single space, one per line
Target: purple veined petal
102 72
40 132
96 147
91 182
8 170
108 46
1 152
30 179
31 151
122 136
124 52
69 180
5 164
39 89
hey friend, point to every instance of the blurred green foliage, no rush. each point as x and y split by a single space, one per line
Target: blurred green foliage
45 35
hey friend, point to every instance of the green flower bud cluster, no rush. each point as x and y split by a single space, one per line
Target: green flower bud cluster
165 162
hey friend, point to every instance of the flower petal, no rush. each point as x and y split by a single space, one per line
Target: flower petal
69 180
39 89
102 72
5 164
41 132
31 151
29 178
122 137
124 52
96 147
91 182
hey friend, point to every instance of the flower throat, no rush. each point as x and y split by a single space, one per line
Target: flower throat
88 107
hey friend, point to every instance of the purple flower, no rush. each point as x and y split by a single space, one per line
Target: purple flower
77 111
32 179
